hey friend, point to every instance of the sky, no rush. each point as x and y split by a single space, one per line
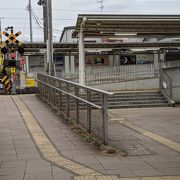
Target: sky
65 13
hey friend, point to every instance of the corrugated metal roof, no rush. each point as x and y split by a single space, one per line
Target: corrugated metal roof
142 25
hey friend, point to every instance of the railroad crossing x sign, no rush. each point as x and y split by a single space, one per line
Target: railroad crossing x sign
12 37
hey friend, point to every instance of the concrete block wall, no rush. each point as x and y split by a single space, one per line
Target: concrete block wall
137 85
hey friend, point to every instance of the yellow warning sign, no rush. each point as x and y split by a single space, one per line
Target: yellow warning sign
30 82
13 70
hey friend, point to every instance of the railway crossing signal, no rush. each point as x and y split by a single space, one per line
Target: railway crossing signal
12 37
9 47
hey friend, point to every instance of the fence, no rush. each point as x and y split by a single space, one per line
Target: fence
77 102
170 64
102 75
166 86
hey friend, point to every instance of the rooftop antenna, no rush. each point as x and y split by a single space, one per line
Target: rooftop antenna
101 2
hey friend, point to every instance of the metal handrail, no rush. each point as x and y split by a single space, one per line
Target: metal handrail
164 77
166 74
87 102
170 64
76 102
82 86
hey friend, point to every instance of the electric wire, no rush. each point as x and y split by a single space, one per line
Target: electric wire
20 18
39 24
54 9
37 21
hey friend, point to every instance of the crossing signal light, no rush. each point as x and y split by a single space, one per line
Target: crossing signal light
12 61
12 56
4 50
21 50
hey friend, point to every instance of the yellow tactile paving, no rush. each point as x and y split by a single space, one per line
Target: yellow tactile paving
165 141
131 178
46 148
172 178
107 178
96 178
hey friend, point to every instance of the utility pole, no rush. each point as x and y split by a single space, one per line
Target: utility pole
49 40
44 4
30 21
45 20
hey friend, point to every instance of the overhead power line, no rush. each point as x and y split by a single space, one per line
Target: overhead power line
55 19
39 24
54 9
37 21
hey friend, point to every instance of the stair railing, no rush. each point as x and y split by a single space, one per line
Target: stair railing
76 103
166 86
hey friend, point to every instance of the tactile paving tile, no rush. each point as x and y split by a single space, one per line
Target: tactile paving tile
45 147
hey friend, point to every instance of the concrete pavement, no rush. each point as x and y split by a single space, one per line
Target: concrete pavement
20 158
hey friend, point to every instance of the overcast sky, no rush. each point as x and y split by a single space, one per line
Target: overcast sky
14 13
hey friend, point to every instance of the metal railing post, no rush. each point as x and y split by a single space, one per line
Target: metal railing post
49 92
170 84
55 95
88 111
60 97
160 79
68 99
105 119
41 90
77 105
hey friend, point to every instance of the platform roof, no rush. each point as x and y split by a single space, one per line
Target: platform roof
110 25
73 47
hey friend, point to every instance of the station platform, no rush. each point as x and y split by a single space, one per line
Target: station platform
36 144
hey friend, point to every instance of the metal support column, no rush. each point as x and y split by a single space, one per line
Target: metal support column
27 65
156 64
45 20
72 65
81 54
30 21
66 66
111 60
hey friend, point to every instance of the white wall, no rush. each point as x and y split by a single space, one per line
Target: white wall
144 84
68 36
